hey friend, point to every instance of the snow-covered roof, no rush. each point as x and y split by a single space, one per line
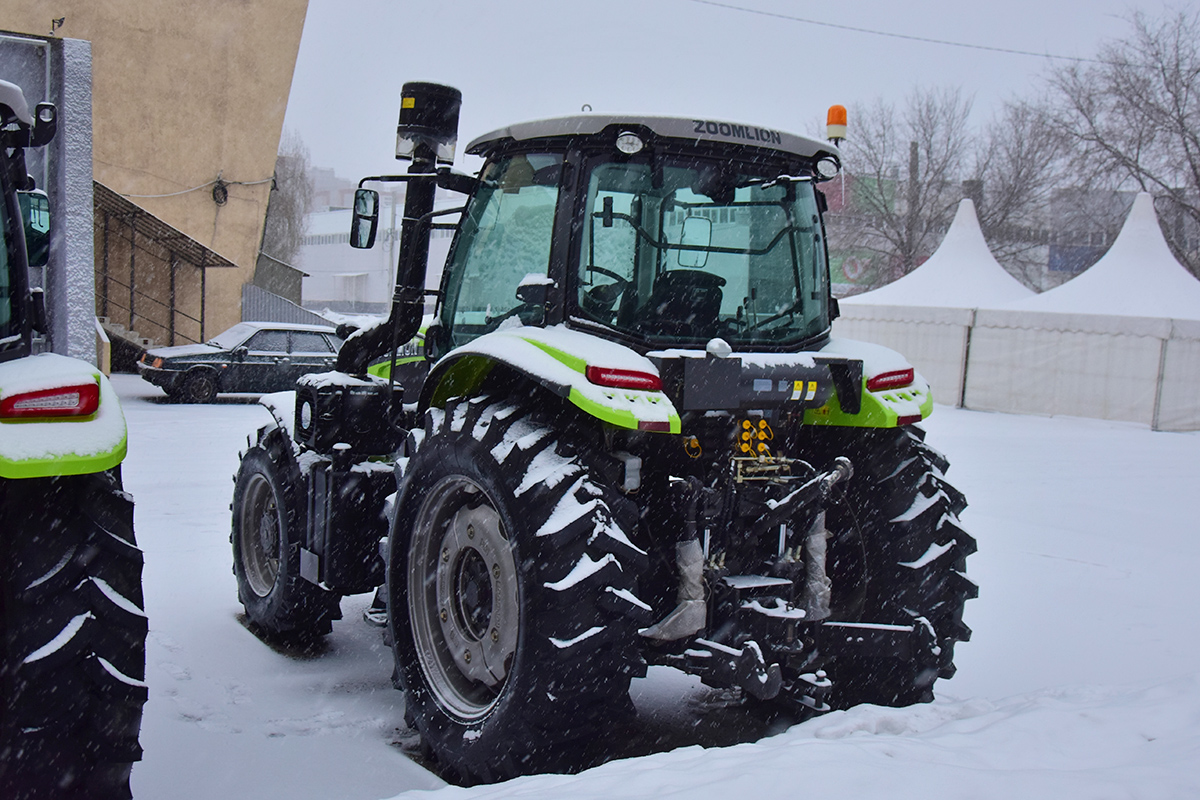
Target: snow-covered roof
694 130
962 273
1137 277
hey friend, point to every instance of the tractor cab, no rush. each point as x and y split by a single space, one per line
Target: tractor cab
654 232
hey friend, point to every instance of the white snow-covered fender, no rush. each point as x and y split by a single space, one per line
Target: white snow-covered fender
58 416
893 394
602 378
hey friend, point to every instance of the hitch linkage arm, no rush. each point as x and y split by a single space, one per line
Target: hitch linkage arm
814 491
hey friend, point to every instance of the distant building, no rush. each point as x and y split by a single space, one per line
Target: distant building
338 277
187 108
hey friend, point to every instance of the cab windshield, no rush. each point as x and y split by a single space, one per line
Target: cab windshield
676 251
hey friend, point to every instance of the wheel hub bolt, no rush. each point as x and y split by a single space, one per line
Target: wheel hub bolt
470 531
443 615
446 554
467 656
495 635
496 571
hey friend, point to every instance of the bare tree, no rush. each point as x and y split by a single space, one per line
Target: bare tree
1134 119
1020 161
903 169
291 199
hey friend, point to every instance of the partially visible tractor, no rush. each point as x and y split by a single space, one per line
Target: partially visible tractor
628 438
72 629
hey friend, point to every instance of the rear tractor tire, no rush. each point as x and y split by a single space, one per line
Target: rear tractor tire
512 590
73 634
897 542
268 529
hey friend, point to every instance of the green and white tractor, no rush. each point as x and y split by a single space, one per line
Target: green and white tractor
627 437
72 629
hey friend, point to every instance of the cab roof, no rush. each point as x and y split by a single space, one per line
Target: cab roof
693 130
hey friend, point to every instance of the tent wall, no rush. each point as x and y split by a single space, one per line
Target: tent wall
1137 369
1179 397
934 340
1025 362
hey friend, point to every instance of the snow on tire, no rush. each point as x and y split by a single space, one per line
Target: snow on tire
898 543
74 638
269 519
512 589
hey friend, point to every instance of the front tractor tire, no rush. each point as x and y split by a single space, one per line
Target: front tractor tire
898 544
73 634
268 529
512 592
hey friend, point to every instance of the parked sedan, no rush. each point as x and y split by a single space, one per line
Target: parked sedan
249 357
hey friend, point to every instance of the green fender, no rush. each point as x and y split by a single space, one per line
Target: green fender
882 408
45 447
557 358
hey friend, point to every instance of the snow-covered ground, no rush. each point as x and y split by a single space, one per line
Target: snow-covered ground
1082 679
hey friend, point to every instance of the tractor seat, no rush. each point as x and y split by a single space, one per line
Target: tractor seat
683 302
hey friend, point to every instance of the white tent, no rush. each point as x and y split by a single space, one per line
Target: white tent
1120 341
928 313
1137 277
962 273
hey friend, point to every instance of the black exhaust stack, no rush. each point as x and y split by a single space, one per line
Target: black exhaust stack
427 134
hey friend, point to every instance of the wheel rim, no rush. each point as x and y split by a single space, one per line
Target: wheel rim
200 387
259 535
463 597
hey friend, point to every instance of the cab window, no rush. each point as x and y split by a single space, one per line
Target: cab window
503 244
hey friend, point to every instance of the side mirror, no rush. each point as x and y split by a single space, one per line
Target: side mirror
35 211
366 219
240 352
45 124
697 233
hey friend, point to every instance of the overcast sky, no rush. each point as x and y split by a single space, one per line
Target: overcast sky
525 59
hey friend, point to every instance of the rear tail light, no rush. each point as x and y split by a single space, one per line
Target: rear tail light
624 378
897 379
65 401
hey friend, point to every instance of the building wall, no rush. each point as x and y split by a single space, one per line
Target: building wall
59 71
184 93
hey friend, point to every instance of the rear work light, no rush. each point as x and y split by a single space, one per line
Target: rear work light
624 378
65 401
897 379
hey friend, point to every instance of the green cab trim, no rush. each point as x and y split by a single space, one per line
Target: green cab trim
384 368
879 409
574 362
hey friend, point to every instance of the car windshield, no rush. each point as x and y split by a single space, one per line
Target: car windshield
232 337
678 250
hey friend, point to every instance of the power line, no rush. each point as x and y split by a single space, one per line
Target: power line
890 34
213 182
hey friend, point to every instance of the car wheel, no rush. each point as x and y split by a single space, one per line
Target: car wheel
200 386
